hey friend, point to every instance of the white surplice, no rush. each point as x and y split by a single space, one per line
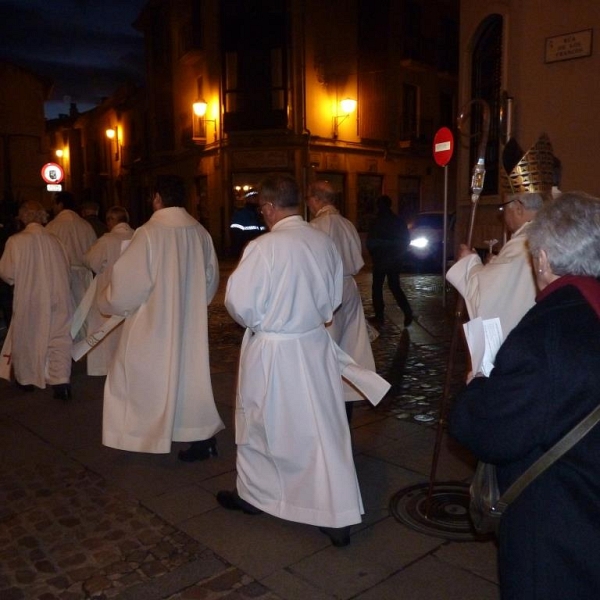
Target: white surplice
503 288
76 235
158 387
294 454
348 327
100 258
35 262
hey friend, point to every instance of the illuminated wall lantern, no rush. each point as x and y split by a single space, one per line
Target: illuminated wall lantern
347 106
199 121
113 134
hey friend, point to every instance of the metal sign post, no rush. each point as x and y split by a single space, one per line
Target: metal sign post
443 148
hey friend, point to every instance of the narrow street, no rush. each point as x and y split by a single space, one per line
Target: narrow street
79 520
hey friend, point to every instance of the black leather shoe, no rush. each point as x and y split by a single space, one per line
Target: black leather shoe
200 450
62 391
339 536
29 387
232 501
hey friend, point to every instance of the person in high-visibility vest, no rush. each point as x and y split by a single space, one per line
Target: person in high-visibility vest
246 224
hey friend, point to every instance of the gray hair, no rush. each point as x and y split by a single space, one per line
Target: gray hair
281 190
118 213
531 200
568 230
322 190
32 212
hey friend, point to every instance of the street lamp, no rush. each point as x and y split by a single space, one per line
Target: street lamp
113 134
199 126
347 105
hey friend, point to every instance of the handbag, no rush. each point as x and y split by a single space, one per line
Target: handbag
487 506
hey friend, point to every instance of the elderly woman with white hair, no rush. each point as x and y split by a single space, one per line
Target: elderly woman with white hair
546 380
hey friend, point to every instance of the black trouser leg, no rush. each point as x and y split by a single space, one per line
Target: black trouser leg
398 293
349 411
377 292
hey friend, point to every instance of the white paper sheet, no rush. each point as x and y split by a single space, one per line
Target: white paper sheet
484 338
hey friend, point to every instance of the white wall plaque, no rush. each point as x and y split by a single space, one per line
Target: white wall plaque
568 46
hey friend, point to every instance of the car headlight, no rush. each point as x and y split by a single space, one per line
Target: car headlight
420 242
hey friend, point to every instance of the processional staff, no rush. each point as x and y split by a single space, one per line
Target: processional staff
477 180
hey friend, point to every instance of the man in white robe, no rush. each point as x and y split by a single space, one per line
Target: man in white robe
158 388
505 286
100 259
35 262
76 235
348 327
294 454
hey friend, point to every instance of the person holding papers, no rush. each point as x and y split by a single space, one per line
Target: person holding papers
546 379
505 286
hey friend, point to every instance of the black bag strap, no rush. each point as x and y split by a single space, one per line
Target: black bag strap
548 458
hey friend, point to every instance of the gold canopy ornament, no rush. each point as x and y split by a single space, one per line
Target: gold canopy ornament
533 172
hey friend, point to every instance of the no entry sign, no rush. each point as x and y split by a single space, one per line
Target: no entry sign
52 173
443 146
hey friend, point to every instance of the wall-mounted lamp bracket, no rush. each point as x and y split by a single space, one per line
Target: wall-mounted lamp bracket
199 121
347 105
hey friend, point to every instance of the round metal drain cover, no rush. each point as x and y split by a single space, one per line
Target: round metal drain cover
448 514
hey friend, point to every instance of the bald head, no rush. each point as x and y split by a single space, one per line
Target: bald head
32 212
116 215
320 194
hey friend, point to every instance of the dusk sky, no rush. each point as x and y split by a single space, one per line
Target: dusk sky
88 48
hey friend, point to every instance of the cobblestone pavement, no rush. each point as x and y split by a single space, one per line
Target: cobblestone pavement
66 534
416 370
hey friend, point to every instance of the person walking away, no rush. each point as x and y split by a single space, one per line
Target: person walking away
90 211
100 258
294 454
76 235
348 327
158 388
387 242
35 263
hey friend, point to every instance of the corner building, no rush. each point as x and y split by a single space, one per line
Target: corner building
237 89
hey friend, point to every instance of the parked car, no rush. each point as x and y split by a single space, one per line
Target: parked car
426 248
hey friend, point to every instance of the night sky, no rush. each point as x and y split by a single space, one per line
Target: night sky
88 48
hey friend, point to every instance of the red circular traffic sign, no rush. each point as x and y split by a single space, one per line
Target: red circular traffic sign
443 146
52 173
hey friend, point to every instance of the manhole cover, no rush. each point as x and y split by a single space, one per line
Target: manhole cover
448 514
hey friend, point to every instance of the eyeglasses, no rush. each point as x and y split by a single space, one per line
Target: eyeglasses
501 206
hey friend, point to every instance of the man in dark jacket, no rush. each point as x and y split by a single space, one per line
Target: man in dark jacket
387 241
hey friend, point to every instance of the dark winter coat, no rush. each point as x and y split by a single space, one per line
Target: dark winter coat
546 379
387 240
